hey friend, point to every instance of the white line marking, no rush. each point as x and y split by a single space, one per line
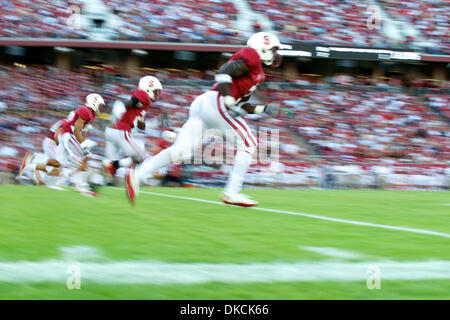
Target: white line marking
359 223
445 204
333 252
154 272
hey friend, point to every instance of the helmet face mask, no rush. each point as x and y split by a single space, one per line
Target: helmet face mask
156 94
276 59
266 45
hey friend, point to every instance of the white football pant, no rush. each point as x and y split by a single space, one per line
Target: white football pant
119 143
207 111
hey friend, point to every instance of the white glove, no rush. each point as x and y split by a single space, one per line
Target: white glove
87 145
229 101
235 110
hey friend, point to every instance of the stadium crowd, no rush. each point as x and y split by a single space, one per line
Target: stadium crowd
441 103
177 20
324 21
214 21
377 126
430 17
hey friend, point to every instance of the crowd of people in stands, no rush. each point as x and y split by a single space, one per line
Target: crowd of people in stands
324 21
178 20
214 21
430 17
364 126
318 119
441 103
39 19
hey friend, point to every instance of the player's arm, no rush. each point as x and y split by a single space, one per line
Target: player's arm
270 109
133 102
224 78
56 136
78 127
141 123
130 103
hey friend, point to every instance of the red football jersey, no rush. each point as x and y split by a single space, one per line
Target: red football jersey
85 113
126 121
54 128
245 85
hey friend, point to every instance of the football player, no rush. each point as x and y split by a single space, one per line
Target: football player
32 163
118 138
222 108
73 147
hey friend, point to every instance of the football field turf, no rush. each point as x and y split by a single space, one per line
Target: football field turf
310 244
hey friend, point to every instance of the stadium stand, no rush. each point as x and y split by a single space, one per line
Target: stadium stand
214 21
430 17
380 125
325 21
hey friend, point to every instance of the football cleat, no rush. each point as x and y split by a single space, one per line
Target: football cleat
109 167
25 162
86 192
131 185
238 199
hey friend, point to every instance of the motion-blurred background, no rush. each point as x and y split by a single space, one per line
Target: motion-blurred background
364 92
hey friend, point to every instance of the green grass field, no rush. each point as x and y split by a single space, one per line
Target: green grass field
182 241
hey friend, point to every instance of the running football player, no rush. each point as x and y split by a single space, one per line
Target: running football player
222 108
118 139
73 147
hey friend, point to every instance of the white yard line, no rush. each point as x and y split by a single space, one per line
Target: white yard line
161 273
333 252
154 272
313 216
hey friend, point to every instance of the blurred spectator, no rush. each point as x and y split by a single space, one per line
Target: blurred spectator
338 123
214 21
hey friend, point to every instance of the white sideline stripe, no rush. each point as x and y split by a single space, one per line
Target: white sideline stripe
445 204
333 252
359 223
155 272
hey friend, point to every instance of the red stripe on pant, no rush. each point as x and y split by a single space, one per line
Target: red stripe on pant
231 123
77 147
247 131
133 145
76 144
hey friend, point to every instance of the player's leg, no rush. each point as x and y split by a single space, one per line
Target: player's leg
237 132
112 151
49 146
25 163
189 138
39 166
75 159
245 149
135 153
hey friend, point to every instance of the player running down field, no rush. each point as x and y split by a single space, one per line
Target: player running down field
38 166
73 147
119 141
222 108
